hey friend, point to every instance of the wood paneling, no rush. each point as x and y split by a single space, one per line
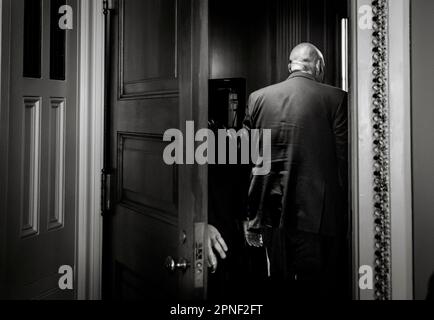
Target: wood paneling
56 195
129 285
146 184
32 167
151 29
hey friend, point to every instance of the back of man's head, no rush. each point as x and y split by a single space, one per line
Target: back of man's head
306 57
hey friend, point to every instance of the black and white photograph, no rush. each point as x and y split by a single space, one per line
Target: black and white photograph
213 156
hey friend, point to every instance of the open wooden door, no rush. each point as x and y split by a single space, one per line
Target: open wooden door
158 70
41 200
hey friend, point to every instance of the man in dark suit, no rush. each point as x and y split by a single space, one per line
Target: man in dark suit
300 207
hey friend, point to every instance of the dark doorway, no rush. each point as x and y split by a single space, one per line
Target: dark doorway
252 41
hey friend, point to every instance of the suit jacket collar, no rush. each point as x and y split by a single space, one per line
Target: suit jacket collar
301 74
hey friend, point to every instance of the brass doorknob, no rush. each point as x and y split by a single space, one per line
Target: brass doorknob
181 265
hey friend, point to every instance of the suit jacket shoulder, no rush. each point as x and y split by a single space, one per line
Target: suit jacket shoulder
257 99
299 84
338 93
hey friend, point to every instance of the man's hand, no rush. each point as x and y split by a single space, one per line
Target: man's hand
252 236
215 244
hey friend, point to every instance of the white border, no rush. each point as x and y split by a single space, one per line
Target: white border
91 112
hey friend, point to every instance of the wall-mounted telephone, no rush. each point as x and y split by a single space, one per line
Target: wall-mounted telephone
227 102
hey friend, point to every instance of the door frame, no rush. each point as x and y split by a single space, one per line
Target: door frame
90 162
91 120
399 279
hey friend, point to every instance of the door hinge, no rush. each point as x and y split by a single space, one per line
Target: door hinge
106 193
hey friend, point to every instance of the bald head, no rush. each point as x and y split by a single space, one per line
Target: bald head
307 58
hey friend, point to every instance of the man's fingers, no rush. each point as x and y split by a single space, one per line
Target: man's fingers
222 243
254 240
219 249
216 244
212 262
212 259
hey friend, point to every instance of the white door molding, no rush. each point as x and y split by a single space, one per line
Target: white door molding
362 135
91 113
396 209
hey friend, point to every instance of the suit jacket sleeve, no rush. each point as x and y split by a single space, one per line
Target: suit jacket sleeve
253 111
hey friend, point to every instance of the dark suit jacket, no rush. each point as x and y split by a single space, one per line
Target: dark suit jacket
307 187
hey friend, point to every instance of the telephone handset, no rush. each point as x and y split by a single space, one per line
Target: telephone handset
233 106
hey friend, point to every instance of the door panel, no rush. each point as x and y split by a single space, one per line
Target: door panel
42 156
151 29
150 77
139 153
